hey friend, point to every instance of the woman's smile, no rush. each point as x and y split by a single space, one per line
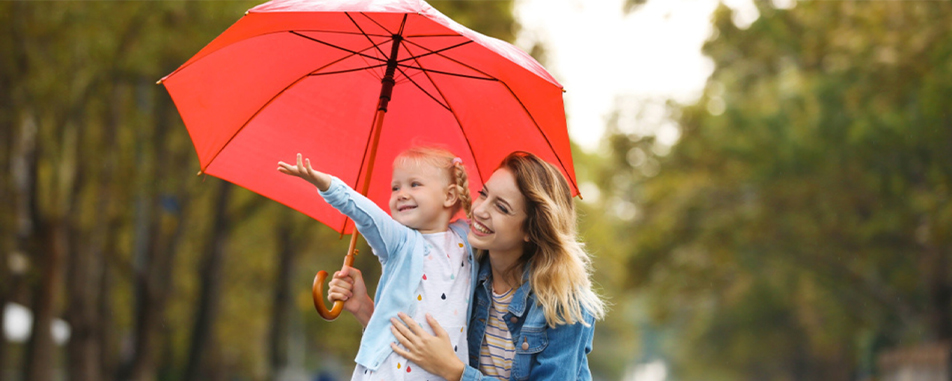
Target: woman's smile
480 229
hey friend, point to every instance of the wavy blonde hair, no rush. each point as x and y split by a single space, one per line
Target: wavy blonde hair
451 166
560 269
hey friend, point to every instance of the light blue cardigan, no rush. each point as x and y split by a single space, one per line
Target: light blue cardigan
400 250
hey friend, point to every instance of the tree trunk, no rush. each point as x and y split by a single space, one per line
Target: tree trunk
109 351
281 310
86 265
211 277
41 243
7 215
40 358
107 223
940 294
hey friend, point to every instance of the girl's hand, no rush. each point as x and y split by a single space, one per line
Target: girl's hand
434 354
303 170
348 286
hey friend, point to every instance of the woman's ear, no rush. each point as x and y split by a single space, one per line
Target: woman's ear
452 196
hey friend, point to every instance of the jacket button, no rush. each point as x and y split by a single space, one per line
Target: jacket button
514 320
525 346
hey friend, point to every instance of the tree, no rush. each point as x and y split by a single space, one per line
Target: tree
102 201
801 222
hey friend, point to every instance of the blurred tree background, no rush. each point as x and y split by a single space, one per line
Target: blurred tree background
161 275
800 226
797 229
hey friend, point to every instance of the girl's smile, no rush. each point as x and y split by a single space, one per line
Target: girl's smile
418 193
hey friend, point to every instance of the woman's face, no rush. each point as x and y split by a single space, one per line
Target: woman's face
498 215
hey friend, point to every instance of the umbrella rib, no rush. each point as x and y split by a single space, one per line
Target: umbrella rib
344 32
282 92
337 47
451 59
524 108
245 124
541 132
316 74
435 35
452 112
430 52
423 90
365 33
375 22
341 59
264 34
405 76
448 73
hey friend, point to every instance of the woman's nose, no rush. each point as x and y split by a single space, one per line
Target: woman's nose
479 210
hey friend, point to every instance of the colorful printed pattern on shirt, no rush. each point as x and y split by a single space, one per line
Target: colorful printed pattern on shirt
444 293
497 350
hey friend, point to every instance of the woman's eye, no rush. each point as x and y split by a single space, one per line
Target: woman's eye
502 208
482 193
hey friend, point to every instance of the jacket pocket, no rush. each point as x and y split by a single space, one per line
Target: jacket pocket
529 343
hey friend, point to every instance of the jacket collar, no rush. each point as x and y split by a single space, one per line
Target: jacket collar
520 299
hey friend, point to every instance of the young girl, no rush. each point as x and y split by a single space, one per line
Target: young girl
534 310
427 266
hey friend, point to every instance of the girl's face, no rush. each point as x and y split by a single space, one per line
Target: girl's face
418 197
498 215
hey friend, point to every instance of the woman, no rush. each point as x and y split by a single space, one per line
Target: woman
533 311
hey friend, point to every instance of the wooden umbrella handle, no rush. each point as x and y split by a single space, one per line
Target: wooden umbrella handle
317 289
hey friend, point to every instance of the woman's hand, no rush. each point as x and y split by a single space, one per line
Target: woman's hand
303 170
434 354
348 286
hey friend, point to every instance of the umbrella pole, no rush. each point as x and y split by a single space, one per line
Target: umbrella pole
386 90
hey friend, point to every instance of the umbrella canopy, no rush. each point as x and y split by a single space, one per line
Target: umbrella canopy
305 76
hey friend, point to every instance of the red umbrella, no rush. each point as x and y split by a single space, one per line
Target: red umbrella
318 77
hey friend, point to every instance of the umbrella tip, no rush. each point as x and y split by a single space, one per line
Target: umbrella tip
159 82
199 173
564 91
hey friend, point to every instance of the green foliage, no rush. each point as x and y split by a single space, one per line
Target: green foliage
492 18
114 162
806 206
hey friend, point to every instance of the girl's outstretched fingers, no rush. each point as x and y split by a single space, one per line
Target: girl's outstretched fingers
304 170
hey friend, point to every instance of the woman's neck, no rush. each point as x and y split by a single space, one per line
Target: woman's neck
504 276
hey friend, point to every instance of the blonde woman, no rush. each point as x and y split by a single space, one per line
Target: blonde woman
533 308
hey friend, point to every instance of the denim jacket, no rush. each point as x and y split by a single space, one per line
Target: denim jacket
400 251
542 352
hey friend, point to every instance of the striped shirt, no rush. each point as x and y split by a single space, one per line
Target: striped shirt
497 350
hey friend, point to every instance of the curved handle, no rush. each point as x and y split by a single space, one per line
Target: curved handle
317 292
317 288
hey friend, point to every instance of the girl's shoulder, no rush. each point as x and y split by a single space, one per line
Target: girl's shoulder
460 227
